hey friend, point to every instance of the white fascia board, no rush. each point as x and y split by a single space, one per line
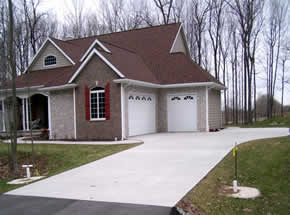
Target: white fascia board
175 38
92 46
164 86
180 30
41 47
61 87
59 49
37 53
95 51
23 88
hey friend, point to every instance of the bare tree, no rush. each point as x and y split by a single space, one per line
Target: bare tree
74 20
284 59
195 26
215 28
274 33
14 101
248 14
165 9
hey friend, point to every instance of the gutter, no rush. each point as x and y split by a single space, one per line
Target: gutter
61 87
166 86
23 89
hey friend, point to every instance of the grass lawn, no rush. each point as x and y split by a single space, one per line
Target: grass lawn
277 121
264 164
53 158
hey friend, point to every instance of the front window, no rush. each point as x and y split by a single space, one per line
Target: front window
97 103
49 60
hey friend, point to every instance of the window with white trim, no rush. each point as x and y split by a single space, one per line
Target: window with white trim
49 60
97 104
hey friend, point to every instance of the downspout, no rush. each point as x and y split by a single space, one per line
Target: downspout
75 115
122 112
206 109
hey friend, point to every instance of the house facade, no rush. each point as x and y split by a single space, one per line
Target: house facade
116 85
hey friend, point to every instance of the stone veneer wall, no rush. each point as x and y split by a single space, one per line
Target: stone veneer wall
62 114
214 109
162 107
97 71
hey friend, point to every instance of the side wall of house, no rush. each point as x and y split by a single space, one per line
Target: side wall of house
214 109
62 114
49 49
162 107
139 90
97 71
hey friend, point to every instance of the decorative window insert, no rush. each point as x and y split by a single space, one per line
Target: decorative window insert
188 98
97 104
175 98
137 98
131 98
149 99
49 60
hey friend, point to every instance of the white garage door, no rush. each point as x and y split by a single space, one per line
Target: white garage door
182 113
141 114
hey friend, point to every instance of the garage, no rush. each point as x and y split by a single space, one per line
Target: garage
182 113
141 114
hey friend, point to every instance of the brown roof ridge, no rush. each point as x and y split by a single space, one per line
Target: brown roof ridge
126 49
116 32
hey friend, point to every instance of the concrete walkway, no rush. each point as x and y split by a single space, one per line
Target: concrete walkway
22 140
159 172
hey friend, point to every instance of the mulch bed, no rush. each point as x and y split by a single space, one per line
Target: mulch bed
189 207
40 166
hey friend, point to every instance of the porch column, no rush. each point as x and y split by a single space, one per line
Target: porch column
27 114
23 114
3 115
206 109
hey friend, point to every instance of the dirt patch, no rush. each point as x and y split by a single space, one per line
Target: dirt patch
41 167
189 207
224 190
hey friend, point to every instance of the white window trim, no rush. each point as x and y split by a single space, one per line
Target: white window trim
96 119
52 65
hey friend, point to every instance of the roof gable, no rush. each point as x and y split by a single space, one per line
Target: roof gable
42 49
95 52
96 42
180 43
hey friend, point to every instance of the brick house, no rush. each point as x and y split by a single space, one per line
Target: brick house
117 85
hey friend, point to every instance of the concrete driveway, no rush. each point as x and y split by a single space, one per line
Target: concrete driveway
159 172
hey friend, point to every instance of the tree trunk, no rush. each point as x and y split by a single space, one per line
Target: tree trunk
14 100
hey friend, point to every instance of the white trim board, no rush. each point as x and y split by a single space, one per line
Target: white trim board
180 30
40 49
162 86
92 46
95 51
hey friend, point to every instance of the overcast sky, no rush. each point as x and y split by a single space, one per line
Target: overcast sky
60 9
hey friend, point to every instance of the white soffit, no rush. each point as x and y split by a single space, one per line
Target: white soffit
92 46
148 84
95 51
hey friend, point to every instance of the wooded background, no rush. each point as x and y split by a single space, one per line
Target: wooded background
243 43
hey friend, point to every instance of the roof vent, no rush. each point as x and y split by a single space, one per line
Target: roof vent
67 38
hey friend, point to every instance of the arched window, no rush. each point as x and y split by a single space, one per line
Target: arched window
49 60
97 103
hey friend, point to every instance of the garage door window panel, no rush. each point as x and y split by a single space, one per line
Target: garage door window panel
97 104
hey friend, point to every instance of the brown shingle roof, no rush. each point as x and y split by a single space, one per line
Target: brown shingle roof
140 54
